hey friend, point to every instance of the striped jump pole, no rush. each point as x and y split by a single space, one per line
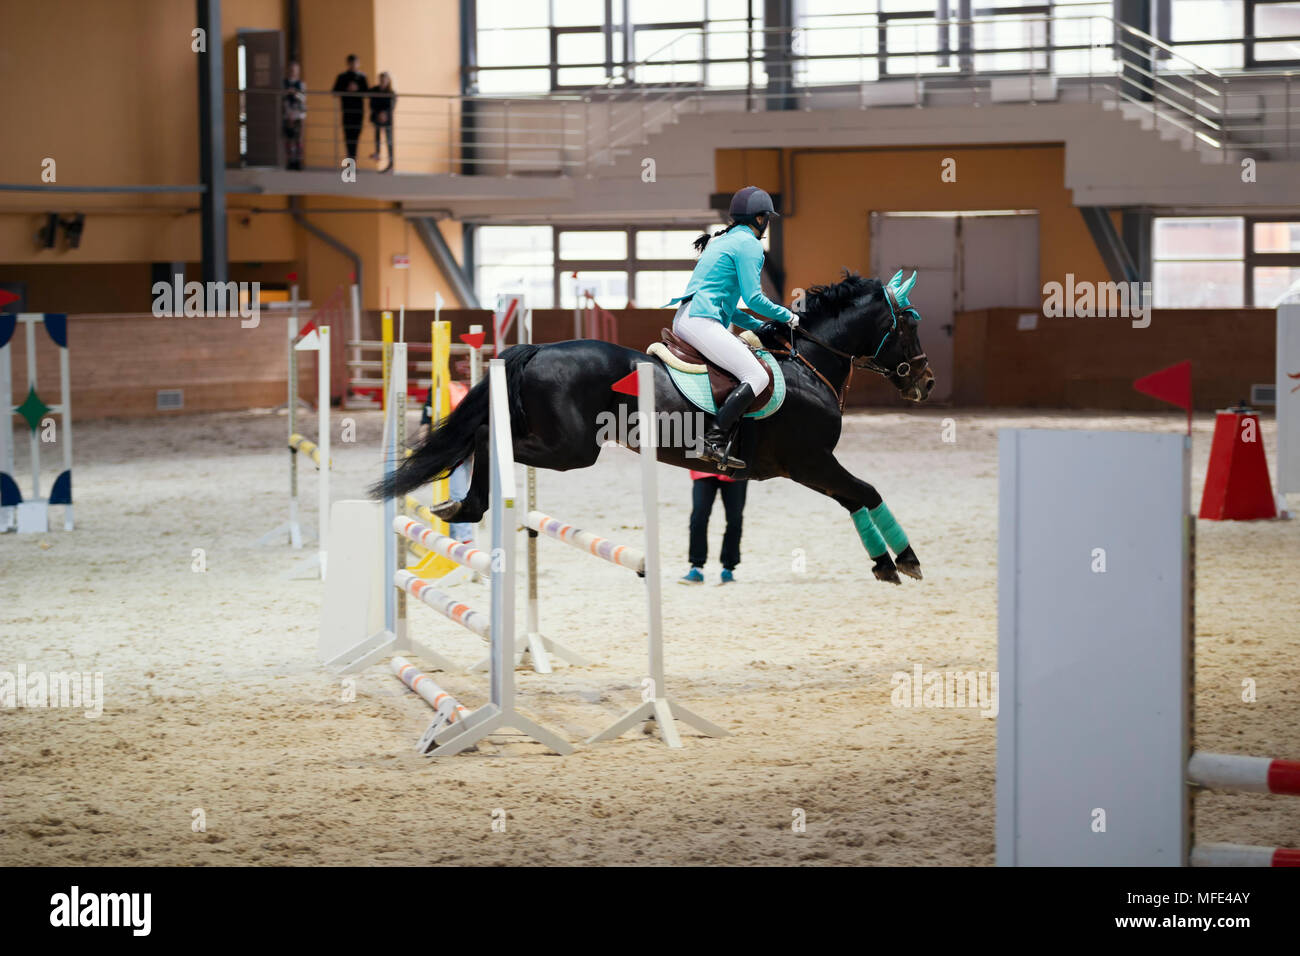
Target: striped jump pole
1236 773
459 551
1244 774
446 605
304 447
1235 854
449 709
622 555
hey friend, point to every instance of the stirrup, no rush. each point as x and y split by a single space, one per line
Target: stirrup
721 456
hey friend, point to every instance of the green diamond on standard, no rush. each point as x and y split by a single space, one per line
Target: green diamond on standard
32 409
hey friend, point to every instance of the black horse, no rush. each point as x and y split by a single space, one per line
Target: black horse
561 405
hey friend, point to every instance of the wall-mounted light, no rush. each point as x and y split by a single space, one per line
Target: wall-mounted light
48 234
72 229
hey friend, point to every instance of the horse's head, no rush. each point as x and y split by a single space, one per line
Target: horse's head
899 356
875 324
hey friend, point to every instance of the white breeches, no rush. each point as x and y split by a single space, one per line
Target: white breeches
719 346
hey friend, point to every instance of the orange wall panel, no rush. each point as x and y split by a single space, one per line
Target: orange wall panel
831 194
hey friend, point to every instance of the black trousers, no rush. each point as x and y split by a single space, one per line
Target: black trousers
352 132
733 503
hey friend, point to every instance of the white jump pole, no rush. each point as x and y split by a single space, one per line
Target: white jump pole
655 703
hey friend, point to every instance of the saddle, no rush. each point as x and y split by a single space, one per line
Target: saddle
682 356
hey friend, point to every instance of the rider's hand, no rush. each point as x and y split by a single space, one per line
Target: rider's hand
794 321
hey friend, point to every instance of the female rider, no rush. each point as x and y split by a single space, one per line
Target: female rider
729 270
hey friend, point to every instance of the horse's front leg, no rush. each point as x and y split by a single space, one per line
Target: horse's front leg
875 523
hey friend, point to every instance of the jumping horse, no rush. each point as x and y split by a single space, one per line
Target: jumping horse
561 402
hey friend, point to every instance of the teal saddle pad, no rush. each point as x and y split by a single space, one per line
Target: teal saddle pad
694 386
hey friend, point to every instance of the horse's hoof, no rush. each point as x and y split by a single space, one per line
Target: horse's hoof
884 570
908 563
447 510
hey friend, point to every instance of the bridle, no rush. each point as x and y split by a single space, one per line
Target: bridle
867 363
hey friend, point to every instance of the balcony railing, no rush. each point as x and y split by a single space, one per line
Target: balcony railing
914 61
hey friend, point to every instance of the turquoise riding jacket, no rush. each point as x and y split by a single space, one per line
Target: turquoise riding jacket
729 270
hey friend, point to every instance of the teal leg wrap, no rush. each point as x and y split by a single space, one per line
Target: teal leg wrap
871 539
894 535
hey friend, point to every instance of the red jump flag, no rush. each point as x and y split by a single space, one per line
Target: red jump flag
626 385
6 298
473 339
1172 384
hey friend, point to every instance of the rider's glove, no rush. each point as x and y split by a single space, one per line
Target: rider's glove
794 321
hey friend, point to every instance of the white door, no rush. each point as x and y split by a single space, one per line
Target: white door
962 262
999 262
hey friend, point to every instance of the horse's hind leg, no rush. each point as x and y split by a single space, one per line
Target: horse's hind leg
876 526
474 505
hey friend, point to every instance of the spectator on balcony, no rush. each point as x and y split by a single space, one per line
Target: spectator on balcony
353 81
382 100
295 113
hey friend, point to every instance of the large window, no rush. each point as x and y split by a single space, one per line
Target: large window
1224 261
515 259
557 266
536 46
1199 263
1274 260
539 46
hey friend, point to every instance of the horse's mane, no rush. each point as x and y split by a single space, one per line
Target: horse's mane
829 301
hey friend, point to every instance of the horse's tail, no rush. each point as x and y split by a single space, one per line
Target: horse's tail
443 448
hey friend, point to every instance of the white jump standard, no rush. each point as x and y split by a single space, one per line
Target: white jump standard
446 736
657 705
308 338
17 513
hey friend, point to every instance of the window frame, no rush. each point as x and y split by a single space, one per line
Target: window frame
630 265
1253 259
1249 38
1250 259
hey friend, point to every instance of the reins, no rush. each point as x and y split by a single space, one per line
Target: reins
869 363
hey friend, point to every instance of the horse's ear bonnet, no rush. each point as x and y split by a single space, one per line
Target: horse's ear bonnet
897 291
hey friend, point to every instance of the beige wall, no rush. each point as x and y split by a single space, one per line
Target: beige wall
109 91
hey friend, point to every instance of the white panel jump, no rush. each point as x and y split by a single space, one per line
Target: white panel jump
1095 543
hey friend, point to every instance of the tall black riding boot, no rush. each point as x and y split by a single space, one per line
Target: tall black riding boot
717 440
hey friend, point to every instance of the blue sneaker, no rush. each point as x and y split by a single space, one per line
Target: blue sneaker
728 576
693 576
